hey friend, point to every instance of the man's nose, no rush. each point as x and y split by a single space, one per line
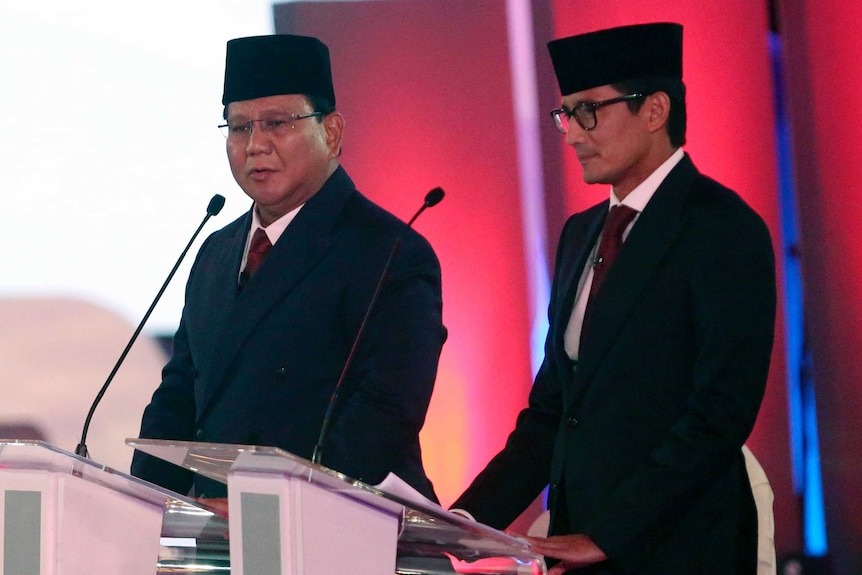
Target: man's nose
575 134
258 139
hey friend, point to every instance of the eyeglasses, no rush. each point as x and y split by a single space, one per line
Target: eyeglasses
277 126
585 113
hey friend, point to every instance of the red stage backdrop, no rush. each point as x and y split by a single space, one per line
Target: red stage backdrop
426 91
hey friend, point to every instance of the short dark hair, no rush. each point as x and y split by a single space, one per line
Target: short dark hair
675 89
318 104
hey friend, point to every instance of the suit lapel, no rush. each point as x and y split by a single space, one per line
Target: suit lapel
582 237
300 248
646 246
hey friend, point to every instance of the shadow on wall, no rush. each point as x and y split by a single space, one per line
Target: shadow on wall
23 431
55 355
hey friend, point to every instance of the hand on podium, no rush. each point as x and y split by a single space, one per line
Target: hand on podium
217 505
488 565
462 513
574 551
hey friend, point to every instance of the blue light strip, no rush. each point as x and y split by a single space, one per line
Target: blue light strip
805 450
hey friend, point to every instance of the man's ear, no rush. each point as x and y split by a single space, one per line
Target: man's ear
656 111
334 126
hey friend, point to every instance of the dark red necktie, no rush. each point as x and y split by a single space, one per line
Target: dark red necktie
612 239
258 248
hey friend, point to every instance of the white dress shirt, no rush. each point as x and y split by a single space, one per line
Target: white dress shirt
637 200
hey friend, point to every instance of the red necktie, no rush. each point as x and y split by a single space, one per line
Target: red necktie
259 246
612 239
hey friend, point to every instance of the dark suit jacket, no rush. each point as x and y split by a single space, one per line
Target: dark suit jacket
258 366
640 442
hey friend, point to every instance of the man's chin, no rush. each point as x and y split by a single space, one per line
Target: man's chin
591 178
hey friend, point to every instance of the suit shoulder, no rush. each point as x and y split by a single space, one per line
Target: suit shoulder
239 226
708 192
584 217
369 218
722 204
578 225
722 223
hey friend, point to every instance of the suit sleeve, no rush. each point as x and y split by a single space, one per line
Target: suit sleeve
170 413
385 396
517 475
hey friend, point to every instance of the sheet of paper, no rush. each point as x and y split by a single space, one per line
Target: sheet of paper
398 487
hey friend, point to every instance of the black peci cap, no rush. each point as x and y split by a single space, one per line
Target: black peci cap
260 66
616 55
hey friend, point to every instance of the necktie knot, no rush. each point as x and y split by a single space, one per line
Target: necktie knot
258 248
612 237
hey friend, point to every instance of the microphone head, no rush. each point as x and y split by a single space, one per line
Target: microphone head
217 203
433 197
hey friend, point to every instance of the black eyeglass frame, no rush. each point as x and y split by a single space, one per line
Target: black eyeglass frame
587 110
248 126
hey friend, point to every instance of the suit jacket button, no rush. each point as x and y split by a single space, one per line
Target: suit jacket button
199 434
572 422
282 371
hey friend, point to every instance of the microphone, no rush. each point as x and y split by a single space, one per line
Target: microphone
213 208
432 198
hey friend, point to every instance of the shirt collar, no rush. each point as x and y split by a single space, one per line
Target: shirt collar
641 195
275 229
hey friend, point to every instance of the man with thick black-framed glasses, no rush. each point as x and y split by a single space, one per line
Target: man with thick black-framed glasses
661 327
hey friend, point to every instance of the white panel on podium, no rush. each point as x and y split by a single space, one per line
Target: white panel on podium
289 516
61 514
288 525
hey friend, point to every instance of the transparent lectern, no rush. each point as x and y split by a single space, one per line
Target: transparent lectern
289 516
61 514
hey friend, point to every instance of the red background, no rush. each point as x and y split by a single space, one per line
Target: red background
426 89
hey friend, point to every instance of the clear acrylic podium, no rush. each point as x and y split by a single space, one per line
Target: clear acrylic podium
289 516
61 514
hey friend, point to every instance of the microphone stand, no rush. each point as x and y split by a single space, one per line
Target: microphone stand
432 198
214 207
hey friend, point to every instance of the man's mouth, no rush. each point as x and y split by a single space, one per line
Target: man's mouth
259 174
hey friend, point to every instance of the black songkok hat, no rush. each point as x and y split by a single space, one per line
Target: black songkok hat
617 55
260 66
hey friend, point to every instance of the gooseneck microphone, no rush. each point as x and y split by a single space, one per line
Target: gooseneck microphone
432 198
213 208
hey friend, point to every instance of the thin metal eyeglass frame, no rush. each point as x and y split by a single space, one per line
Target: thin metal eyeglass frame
586 108
225 128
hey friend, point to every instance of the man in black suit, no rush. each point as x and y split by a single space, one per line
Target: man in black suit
258 352
638 414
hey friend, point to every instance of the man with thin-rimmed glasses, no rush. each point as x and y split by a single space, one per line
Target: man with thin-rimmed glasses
275 300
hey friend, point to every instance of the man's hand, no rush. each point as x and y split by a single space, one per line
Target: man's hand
217 505
462 513
574 551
